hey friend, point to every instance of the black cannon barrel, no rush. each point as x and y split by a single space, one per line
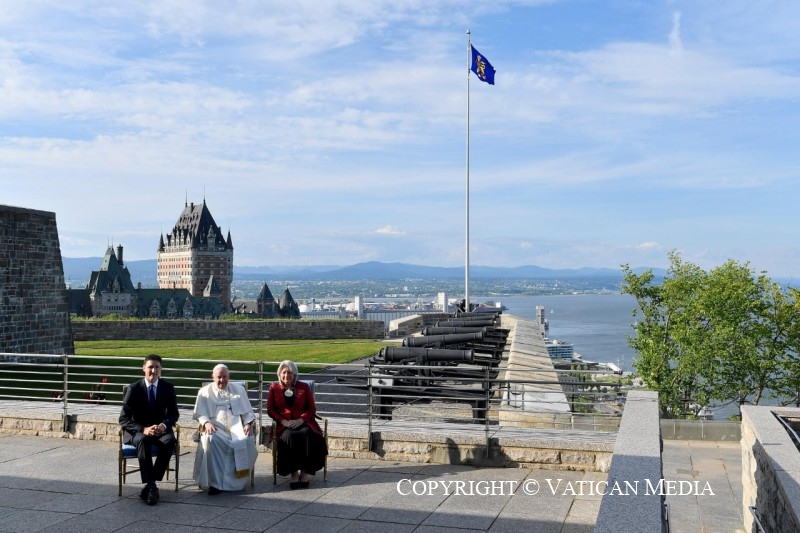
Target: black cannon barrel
470 323
433 330
427 340
474 316
393 354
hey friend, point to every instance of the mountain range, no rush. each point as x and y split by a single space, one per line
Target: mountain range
78 271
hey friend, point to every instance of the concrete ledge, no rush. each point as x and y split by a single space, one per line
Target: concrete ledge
637 459
544 404
422 442
394 440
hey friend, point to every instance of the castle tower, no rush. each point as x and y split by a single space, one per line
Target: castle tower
195 256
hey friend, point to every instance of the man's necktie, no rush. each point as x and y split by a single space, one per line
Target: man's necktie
152 395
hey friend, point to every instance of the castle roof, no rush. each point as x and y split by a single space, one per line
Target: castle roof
196 227
265 294
212 288
112 276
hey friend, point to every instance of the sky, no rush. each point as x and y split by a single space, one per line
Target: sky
335 132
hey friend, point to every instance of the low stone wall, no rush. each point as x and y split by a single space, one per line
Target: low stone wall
416 442
637 459
770 470
85 330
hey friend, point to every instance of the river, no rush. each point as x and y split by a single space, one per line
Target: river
596 324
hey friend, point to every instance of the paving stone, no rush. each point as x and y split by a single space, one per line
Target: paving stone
362 495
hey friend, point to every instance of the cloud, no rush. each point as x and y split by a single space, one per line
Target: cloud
389 230
648 246
675 42
645 125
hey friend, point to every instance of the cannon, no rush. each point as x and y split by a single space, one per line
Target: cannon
429 367
449 330
464 314
395 354
443 340
468 323
488 350
490 334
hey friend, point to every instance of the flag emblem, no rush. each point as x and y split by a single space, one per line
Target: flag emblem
481 67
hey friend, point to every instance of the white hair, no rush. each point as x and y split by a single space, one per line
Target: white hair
220 367
292 368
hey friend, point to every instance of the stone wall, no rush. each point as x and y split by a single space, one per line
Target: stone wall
34 306
770 470
349 438
226 329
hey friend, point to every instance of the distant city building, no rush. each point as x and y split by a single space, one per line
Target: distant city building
110 291
541 320
195 256
442 303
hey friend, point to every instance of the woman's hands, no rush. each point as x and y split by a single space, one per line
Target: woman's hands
292 424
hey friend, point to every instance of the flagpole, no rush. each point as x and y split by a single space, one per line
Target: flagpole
466 245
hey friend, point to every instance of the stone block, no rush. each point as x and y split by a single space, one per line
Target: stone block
533 456
400 457
410 448
603 462
84 431
352 445
578 458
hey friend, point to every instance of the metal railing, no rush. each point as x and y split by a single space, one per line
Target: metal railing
474 394
756 520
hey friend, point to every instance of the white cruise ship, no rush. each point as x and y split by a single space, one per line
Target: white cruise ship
558 349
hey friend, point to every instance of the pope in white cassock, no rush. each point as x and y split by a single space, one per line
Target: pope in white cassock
226 453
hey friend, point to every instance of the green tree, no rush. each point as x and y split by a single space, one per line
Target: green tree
742 343
787 341
664 332
722 335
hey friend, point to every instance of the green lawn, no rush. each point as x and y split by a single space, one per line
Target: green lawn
314 351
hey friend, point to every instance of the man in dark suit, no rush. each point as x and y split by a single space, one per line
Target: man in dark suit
149 411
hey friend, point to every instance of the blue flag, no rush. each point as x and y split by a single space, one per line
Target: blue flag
481 67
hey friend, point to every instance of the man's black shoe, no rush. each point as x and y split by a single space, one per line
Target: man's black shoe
213 491
152 498
145 492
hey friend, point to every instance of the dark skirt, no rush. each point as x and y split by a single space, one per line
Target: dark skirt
301 449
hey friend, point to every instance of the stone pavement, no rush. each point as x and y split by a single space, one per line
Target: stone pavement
65 485
720 464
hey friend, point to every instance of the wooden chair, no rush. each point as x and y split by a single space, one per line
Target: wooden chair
253 428
127 452
273 438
